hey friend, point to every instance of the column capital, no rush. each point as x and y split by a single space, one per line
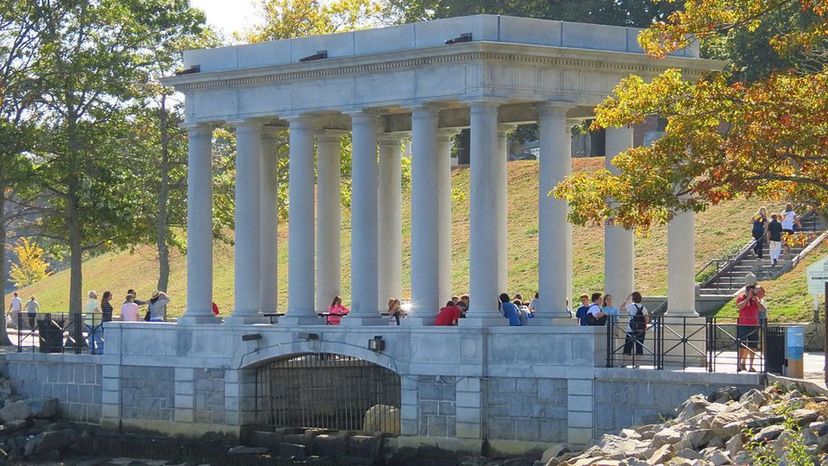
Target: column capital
483 105
303 121
554 107
389 139
246 125
196 127
330 135
364 116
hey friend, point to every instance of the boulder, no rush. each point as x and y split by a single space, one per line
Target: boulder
819 428
696 438
768 433
689 453
630 433
754 399
716 442
382 418
662 455
734 445
554 451
668 436
718 458
804 416
761 422
11 427
292 450
48 441
41 408
694 406
724 394
245 450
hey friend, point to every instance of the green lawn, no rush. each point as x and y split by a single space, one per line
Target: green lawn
718 230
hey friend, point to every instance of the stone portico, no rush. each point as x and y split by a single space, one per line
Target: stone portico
512 388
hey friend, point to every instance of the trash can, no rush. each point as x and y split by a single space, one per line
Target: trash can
794 352
774 349
51 336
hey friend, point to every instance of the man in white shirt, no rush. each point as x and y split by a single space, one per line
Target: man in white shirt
32 308
14 308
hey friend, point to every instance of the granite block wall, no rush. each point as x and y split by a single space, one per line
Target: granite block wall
625 403
437 406
147 393
526 409
75 384
208 400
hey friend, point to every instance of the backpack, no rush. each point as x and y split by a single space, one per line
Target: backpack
638 322
591 320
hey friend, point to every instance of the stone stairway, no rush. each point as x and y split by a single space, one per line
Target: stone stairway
729 276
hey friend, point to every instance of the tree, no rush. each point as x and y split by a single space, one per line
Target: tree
728 133
285 19
31 267
89 69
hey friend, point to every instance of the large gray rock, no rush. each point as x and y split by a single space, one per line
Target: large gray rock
554 451
11 427
664 454
668 436
41 408
768 433
48 441
724 394
718 458
804 416
734 445
754 399
694 406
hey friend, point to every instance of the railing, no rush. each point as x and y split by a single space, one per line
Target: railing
687 343
54 332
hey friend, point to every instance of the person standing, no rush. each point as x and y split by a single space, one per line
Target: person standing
775 239
91 306
158 306
747 326
129 310
637 328
336 311
789 219
32 308
760 223
581 313
533 305
596 317
106 306
395 309
15 307
608 307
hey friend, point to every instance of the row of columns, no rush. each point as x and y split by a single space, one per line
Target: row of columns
314 239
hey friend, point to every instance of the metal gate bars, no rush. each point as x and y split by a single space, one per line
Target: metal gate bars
328 391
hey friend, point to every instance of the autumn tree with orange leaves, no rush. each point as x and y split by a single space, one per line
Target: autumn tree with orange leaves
730 133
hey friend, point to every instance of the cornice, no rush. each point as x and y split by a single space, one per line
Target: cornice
473 53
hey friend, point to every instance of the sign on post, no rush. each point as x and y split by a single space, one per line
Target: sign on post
817 276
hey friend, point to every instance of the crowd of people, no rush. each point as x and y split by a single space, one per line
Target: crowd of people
130 310
774 228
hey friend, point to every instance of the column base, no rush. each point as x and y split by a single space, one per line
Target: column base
478 322
289 321
246 320
417 322
558 319
681 313
199 319
354 321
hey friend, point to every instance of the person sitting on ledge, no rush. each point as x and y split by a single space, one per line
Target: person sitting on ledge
448 315
336 311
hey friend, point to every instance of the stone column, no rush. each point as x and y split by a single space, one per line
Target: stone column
554 231
364 227
390 219
681 265
444 223
268 232
483 219
199 227
619 271
328 218
301 309
247 255
425 229
502 223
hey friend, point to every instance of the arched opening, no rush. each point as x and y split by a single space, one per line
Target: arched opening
328 391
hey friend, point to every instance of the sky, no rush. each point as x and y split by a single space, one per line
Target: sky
228 16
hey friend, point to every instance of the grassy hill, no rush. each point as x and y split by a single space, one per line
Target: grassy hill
719 231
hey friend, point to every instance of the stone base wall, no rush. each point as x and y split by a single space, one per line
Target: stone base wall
148 393
208 402
526 409
624 400
74 380
437 406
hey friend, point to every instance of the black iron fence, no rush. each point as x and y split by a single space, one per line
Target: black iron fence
667 342
57 332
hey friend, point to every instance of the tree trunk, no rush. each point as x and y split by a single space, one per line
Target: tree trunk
4 335
162 226
75 251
